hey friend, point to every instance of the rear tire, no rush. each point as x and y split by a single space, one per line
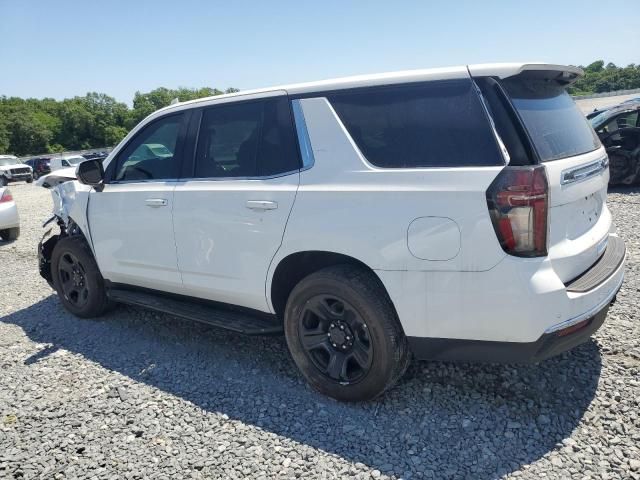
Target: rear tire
77 279
10 234
344 335
30 179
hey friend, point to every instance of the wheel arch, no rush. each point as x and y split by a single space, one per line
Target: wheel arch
292 268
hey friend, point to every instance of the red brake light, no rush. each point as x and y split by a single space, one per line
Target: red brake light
6 197
518 204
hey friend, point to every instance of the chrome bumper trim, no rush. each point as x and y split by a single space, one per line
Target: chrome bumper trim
590 313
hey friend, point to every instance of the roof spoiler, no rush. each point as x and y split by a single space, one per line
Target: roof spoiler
564 74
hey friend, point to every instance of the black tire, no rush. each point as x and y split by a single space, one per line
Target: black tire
370 357
10 234
77 279
30 180
3 181
35 176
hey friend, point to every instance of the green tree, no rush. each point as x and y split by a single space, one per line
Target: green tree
29 134
113 134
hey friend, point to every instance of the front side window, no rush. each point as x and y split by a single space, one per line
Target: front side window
151 155
435 124
252 139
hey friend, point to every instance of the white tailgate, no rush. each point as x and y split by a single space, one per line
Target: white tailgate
579 220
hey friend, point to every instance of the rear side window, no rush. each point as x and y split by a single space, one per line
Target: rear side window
436 124
252 139
555 125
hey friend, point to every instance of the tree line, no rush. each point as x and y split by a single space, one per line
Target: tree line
34 126
600 78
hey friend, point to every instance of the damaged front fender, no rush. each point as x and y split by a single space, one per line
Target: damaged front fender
70 201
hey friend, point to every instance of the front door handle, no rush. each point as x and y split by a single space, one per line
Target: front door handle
261 205
156 202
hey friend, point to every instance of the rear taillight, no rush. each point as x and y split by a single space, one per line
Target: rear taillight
6 196
518 204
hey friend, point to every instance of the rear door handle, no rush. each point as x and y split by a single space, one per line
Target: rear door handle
261 205
156 202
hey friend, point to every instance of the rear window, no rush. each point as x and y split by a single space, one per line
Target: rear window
435 124
555 124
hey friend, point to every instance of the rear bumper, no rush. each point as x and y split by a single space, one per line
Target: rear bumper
9 215
548 345
604 279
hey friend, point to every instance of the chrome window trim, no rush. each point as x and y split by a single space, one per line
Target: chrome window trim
306 150
583 172
218 179
150 180
501 146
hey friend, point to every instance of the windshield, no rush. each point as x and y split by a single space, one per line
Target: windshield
8 161
555 124
600 119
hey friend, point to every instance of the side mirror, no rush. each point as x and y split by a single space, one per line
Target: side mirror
91 172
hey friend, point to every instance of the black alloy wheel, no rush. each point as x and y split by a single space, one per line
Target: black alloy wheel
336 338
72 275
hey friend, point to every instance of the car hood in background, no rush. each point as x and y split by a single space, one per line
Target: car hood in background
15 165
57 177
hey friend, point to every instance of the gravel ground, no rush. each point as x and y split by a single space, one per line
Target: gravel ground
142 395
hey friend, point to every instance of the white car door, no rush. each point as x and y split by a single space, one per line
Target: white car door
230 216
131 218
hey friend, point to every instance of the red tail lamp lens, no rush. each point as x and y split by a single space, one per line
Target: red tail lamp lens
6 197
518 205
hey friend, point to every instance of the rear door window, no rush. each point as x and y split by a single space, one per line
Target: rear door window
249 139
556 126
434 124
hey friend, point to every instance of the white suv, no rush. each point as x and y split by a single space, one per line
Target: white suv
455 213
13 170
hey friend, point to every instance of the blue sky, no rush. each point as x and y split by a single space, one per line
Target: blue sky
65 48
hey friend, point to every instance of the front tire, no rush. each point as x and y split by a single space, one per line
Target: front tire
10 234
77 279
30 179
344 334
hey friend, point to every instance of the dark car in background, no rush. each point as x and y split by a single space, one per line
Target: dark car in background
40 165
619 132
95 156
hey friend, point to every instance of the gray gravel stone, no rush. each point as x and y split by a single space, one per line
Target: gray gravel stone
137 394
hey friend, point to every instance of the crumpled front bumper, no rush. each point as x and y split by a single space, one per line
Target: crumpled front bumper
45 249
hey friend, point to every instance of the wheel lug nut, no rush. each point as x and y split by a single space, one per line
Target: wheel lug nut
328 335
334 344
348 337
333 325
344 347
341 327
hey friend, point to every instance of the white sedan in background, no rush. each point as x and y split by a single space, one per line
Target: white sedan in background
9 220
